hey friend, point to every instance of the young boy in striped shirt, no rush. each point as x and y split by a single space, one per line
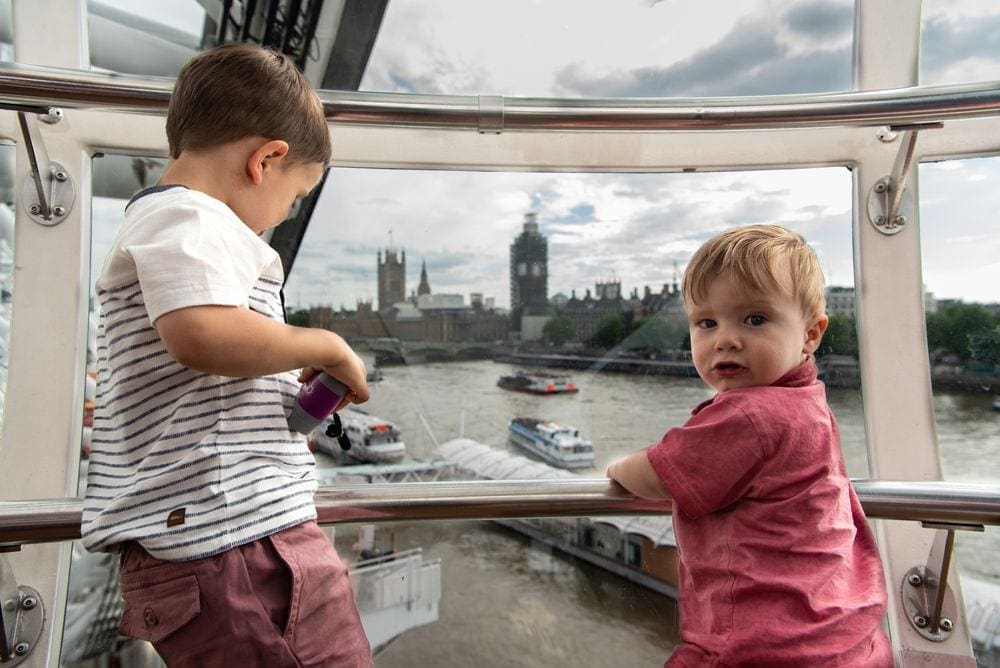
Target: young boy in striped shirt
194 476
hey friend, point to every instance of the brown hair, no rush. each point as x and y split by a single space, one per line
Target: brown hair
762 257
240 90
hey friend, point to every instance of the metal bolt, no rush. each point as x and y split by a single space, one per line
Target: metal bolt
53 115
880 220
946 624
880 187
59 210
29 602
61 175
34 209
899 220
914 579
885 134
21 648
920 621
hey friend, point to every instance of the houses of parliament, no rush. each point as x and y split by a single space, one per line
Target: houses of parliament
445 318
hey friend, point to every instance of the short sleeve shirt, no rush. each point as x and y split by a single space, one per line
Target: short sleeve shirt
778 563
187 463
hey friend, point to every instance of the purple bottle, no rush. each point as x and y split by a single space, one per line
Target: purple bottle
316 400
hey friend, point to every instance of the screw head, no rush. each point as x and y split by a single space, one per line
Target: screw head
29 602
34 209
21 648
59 210
915 580
946 624
919 621
880 187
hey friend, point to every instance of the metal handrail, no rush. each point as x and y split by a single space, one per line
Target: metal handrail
964 504
39 88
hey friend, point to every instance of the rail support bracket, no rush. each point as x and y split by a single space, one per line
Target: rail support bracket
929 602
21 617
48 193
890 202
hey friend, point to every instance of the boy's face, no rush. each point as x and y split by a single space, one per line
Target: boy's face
272 201
742 338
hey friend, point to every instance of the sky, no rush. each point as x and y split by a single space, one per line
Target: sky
633 228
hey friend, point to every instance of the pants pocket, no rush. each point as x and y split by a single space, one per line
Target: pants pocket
154 611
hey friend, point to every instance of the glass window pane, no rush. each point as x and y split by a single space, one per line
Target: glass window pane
504 595
958 42
613 49
960 242
616 245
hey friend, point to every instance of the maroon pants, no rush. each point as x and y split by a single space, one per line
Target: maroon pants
284 600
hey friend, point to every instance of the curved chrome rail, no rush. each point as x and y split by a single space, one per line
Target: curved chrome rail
39 88
936 502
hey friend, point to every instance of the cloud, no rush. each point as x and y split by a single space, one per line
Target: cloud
956 52
754 58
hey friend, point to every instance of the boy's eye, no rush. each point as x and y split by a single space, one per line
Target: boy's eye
706 323
756 320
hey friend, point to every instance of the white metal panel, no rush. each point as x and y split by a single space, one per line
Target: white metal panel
43 414
895 371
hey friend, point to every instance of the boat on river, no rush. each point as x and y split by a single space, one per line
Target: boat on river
373 440
554 443
537 383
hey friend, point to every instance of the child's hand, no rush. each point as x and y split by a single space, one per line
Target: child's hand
350 371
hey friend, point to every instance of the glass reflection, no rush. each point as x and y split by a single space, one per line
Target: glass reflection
6 260
136 37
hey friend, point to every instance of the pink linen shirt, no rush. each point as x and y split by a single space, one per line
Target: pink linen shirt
778 564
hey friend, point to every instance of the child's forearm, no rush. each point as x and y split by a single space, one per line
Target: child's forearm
233 341
637 475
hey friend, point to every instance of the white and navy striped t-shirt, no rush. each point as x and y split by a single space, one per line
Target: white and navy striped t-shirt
187 463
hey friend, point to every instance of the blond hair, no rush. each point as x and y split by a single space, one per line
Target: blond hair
763 258
235 91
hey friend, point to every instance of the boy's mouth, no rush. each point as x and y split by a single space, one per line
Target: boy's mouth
727 368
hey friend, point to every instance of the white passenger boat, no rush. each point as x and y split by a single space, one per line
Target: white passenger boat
373 440
555 443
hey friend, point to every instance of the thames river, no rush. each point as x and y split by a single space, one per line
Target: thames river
508 602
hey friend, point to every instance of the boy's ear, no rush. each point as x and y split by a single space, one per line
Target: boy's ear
266 156
814 333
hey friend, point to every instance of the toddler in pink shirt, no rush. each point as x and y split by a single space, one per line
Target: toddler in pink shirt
778 565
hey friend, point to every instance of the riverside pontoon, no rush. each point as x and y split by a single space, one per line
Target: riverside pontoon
894 161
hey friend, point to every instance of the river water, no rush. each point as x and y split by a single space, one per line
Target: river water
509 602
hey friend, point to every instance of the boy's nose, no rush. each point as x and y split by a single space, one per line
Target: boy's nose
727 339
